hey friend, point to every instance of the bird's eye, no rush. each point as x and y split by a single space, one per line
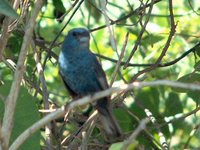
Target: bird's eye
74 33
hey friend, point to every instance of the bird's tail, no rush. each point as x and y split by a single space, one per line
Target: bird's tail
107 118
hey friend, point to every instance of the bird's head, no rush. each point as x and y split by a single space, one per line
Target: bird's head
78 37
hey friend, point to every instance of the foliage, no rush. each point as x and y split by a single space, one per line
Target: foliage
22 115
164 103
7 10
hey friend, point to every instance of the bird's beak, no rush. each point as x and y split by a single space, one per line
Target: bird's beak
84 41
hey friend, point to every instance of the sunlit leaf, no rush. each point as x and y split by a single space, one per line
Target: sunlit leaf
116 146
93 6
151 39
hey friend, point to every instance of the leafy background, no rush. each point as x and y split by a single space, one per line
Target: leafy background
164 103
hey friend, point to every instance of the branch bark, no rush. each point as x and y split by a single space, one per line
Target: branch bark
15 87
5 30
89 99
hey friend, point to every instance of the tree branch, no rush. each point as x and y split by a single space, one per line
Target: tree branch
135 12
165 48
193 49
15 87
133 136
139 38
89 99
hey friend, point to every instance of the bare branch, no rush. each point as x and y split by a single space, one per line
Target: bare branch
45 96
160 134
186 53
110 31
135 12
179 117
138 41
120 60
165 48
133 136
89 99
15 87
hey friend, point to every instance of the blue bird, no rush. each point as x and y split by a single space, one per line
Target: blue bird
83 75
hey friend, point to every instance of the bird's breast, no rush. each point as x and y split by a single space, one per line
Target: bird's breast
63 63
79 74
74 63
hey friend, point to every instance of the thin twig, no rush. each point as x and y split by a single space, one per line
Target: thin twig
107 20
195 11
45 97
192 133
70 140
133 136
6 29
120 60
138 41
193 49
84 144
65 14
160 134
84 141
145 130
164 50
4 36
135 12
180 117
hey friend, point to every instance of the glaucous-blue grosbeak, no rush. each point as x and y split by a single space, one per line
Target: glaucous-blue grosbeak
83 75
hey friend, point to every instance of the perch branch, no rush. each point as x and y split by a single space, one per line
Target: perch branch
88 99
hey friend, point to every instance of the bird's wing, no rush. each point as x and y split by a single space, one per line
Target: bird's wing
71 92
100 74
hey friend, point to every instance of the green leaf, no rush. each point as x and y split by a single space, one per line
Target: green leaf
121 16
25 115
149 98
197 50
189 4
58 4
59 9
151 39
173 105
92 6
197 66
124 120
195 96
7 10
116 146
13 46
189 78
